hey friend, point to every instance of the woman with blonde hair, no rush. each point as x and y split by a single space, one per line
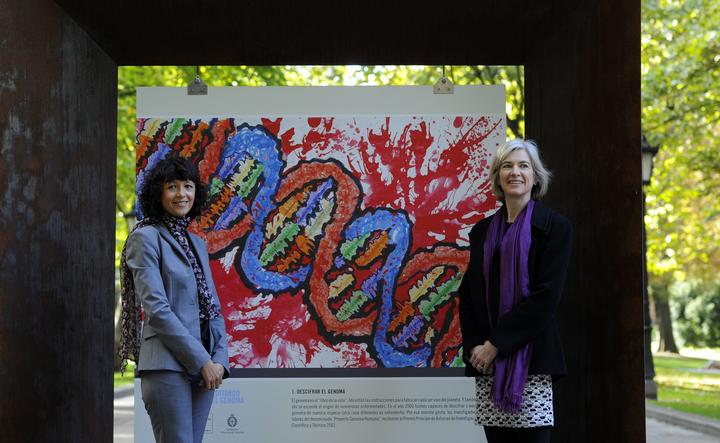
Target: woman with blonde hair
518 261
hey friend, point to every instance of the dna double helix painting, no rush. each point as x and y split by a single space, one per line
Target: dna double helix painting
336 241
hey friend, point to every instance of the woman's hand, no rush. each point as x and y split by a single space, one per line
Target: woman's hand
212 374
482 357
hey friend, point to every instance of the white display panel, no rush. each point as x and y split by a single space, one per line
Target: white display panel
332 409
348 410
319 100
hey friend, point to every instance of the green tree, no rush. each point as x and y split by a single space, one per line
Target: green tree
681 112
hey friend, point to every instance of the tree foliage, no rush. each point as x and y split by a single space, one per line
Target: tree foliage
681 113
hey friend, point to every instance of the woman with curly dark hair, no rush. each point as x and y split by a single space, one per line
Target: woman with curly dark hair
172 325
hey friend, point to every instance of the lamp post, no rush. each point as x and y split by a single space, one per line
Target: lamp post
648 153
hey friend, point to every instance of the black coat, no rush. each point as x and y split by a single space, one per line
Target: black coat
533 319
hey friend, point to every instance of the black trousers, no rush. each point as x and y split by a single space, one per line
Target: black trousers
495 434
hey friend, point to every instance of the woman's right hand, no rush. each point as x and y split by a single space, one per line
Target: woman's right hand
483 356
212 374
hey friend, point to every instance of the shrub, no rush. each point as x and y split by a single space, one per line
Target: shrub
696 310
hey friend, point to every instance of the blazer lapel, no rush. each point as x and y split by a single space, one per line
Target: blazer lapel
175 245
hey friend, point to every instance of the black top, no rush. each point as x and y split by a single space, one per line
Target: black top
533 319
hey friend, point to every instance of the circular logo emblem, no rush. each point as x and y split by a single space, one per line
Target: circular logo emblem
232 421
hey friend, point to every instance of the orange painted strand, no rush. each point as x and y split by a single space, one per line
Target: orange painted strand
374 250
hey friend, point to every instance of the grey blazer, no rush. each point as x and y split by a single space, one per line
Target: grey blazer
165 284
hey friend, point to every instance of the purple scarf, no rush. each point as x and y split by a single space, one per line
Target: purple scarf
514 244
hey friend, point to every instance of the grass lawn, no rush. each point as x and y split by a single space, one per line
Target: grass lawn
683 387
126 380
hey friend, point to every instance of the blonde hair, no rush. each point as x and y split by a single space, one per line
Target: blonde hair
542 174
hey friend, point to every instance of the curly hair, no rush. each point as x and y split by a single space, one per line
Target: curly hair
169 169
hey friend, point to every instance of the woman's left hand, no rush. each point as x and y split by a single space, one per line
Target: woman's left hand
482 357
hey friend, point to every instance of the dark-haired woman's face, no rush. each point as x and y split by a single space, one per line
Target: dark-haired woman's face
178 197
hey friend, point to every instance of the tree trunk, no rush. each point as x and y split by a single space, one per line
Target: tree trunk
663 320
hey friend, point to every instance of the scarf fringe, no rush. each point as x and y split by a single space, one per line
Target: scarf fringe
510 403
131 318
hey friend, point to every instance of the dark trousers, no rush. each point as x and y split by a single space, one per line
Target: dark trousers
495 434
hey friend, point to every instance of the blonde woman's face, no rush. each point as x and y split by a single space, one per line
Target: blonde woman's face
516 175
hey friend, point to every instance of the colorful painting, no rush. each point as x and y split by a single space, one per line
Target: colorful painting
336 241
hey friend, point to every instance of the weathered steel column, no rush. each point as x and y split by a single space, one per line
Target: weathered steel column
583 107
57 199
